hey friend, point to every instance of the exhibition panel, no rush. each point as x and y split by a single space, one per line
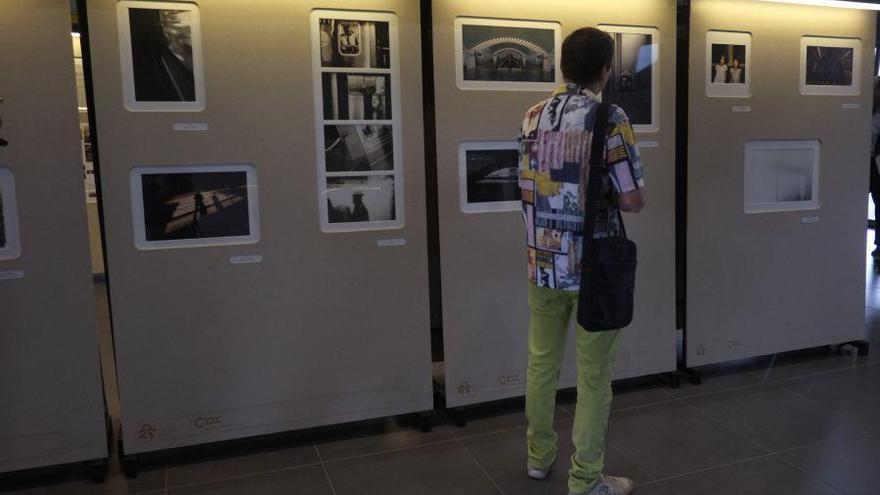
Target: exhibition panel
492 61
778 154
51 403
254 160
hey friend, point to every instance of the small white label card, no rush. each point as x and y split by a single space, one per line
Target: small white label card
812 219
391 242
649 144
251 258
190 126
12 275
741 108
848 106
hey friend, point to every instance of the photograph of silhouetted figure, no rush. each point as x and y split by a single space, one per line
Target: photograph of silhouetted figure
829 66
630 84
360 199
175 205
162 54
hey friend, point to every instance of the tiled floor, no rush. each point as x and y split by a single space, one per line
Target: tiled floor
803 423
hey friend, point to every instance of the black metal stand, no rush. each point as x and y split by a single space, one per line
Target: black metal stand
863 347
695 376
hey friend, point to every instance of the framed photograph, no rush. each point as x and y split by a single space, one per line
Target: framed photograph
358 148
10 241
360 199
194 206
358 130
354 42
356 96
496 54
728 69
831 66
488 176
634 83
88 162
781 176
161 51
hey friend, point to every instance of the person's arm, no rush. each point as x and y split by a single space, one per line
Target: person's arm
632 201
625 164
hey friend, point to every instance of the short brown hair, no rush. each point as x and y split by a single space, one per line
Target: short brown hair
585 53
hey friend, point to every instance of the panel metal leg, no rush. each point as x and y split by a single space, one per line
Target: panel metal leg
694 375
98 470
426 421
673 378
457 416
862 346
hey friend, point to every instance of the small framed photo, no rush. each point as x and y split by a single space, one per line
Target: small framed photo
194 206
488 176
831 66
781 176
496 54
357 202
161 56
10 240
354 42
728 64
358 148
634 83
356 96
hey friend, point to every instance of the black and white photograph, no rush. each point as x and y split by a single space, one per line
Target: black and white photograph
782 175
829 66
358 148
631 84
356 96
360 199
494 54
161 55
10 243
488 174
180 206
729 64
355 43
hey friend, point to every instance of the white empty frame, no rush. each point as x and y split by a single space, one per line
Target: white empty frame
10 240
161 71
831 66
781 176
723 85
175 218
480 187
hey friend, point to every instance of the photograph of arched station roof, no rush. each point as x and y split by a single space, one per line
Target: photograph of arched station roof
508 53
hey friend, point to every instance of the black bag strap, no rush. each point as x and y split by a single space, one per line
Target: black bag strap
594 185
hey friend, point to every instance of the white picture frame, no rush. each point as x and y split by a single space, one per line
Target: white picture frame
723 89
485 207
781 175
129 90
852 89
138 213
496 85
328 185
653 125
11 248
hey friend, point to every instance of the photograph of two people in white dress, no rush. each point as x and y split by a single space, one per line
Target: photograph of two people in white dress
729 64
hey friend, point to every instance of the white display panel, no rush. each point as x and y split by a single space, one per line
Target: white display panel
781 176
634 83
10 239
194 206
523 55
488 174
831 66
728 64
355 62
160 46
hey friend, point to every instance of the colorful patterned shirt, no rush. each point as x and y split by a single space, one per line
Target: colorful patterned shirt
554 168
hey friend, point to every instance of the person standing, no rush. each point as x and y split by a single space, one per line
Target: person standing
874 183
721 71
736 73
554 166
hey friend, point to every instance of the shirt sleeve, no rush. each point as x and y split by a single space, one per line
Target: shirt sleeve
622 154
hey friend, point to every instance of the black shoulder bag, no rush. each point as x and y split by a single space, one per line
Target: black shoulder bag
608 266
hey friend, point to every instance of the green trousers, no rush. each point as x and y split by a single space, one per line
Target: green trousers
551 310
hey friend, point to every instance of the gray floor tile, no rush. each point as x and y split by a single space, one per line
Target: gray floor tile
774 417
671 439
639 397
481 422
854 393
306 481
241 465
719 377
765 476
503 456
375 436
799 364
848 464
439 469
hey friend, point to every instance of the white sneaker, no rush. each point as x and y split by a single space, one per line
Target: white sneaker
537 474
609 485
